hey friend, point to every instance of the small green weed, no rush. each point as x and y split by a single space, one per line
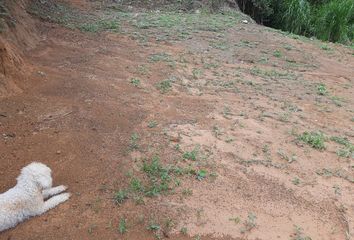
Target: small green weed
120 196
299 235
135 81
136 185
102 25
192 155
250 223
187 192
160 57
152 124
197 73
153 227
348 150
314 139
325 47
277 54
321 89
159 177
164 86
184 230
236 220
296 181
201 174
134 141
122 226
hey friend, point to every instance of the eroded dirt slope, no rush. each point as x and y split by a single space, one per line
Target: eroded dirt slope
182 126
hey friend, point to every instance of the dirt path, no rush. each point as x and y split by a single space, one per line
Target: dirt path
224 111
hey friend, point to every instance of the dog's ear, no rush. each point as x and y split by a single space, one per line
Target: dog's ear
44 181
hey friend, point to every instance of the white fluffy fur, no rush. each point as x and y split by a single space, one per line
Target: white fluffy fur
31 196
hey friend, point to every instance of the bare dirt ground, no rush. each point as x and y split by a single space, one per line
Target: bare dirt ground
236 114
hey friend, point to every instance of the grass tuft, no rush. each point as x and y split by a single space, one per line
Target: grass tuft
314 139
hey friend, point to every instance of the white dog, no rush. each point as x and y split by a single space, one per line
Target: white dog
30 196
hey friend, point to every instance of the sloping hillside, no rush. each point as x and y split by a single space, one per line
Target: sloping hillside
168 124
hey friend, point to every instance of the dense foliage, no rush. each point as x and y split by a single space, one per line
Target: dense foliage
330 20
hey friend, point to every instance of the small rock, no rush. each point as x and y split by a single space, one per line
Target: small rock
42 74
58 152
245 21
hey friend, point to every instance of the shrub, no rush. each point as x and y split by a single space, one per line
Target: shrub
334 21
314 139
296 16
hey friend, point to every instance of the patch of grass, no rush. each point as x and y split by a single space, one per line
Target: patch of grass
5 17
192 155
348 150
101 25
340 140
184 230
153 227
120 197
326 47
299 234
122 228
201 174
277 53
136 185
74 18
164 86
160 57
197 73
337 101
314 139
296 181
236 220
152 124
250 223
158 175
321 89
221 45
142 69
134 141
135 82
179 25
340 173
272 74
187 192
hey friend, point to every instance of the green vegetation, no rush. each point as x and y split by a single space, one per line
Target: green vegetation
192 155
102 25
122 226
5 16
348 148
250 223
321 89
299 234
158 175
134 141
201 174
120 197
135 82
314 139
164 86
329 20
152 124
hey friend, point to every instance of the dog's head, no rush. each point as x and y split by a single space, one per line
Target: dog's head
38 173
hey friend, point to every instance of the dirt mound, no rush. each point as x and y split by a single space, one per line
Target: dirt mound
18 35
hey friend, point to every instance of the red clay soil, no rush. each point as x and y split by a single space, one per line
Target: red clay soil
67 101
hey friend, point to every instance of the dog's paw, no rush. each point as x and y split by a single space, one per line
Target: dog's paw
64 187
65 196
